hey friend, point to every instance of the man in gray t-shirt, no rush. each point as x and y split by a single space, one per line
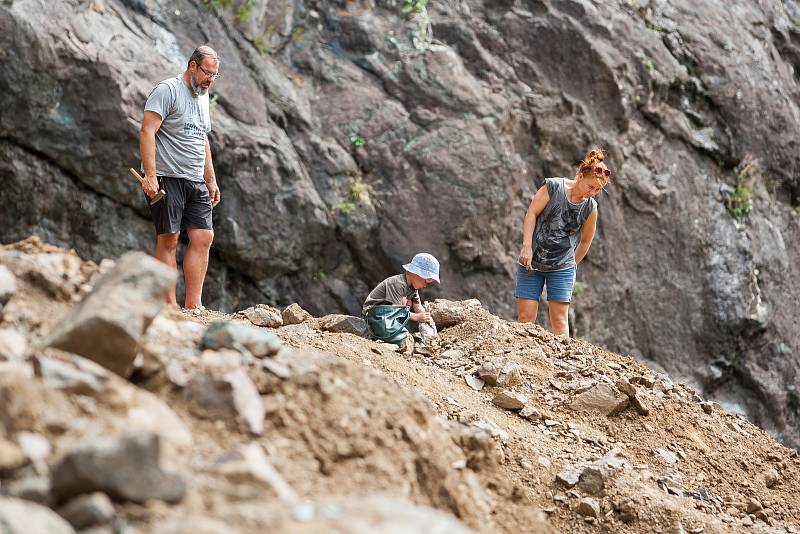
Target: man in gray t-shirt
176 157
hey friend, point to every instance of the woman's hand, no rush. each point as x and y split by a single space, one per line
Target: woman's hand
525 256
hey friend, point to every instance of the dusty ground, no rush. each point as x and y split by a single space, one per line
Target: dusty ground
346 416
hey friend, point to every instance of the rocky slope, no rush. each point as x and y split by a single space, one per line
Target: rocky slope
210 422
349 135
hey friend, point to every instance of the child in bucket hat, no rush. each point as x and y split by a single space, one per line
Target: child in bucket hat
395 301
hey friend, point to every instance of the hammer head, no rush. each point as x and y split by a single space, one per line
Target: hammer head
161 194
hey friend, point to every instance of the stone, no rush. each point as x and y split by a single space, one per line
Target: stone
11 456
343 324
569 476
13 345
639 405
510 400
626 387
500 372
592 480
71 375
108 325
88 510
35 447
754 505
8 285
668 456
126 468
530 413
446 313
248 463
602 398
263 315
238 336
771 477
24 517
589 507
474 382
230 395
294 314
35 489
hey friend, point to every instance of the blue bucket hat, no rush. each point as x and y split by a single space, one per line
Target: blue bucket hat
424 265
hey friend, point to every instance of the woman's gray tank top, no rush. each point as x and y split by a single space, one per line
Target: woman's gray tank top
557 232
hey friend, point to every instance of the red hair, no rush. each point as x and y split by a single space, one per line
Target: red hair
594 157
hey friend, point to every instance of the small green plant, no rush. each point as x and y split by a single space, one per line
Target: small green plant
578 289
245 11
212 104
217 5
739 202
261 41
359 190
651 26
357 140
417 11
648 64
345 207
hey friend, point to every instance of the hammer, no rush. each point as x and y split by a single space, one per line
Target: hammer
160 193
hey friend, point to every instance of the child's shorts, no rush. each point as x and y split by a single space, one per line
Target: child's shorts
559 284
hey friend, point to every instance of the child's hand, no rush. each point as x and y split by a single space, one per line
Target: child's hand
422 317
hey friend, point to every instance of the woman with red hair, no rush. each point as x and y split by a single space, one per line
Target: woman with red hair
556 235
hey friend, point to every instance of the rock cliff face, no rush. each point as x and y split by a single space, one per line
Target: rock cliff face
349 135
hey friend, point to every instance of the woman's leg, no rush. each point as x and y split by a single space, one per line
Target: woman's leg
526 310
559 295
527 293
559 317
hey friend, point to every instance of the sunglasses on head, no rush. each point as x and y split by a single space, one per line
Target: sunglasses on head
598 170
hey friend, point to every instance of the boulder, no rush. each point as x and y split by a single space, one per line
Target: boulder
263 315
294 314
500 372
230 395
602 398
24 517
107 326
88 510
127 468
234 335
510 400
343 324
447 313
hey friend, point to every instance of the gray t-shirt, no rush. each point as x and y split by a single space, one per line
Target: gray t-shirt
558 226
181 139
393 291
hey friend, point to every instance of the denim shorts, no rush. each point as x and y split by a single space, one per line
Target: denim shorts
559 284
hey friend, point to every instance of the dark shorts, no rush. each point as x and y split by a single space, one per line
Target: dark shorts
187 204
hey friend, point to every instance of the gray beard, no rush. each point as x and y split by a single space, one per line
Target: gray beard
198 89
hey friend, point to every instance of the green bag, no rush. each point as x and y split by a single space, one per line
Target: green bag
388 323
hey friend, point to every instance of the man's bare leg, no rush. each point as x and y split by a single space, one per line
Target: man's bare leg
166 248
526 310
195 265
559 317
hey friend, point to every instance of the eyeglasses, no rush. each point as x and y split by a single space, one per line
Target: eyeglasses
214 75
598 170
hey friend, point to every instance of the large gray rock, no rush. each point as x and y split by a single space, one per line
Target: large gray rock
342 324
108 325
237 336
226 396
263 315
126 468
88 510
24 517
602 398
